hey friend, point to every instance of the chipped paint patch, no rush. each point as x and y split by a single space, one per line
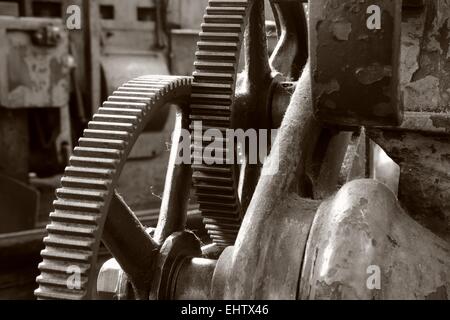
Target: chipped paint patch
423 94
373 73
341 30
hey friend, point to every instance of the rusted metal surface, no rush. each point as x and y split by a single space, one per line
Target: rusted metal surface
258 242
355 70
362 229
421 144
425 67
424 188
35 55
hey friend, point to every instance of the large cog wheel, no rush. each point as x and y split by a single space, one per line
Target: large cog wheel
223 99
87 195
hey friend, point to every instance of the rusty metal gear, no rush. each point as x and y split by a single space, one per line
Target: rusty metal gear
88 185
214 99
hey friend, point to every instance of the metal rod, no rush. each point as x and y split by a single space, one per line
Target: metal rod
173 213
130 244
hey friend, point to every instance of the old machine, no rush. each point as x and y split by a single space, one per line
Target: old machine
355 88
59 59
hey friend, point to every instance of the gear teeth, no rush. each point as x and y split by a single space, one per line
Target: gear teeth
216 45
222 119
224 18
234 11
212 103
80 194
83 256
112 126
97 152
213 77
90 173
65 242
224 227
128 92
211 65
219 36
78 206
88 184
106 134
62 282
125 105
102 143
215 169
93 162
138 90
216 56
228 3
48 293
57 267
71 229
116 118
121 112
202 176
72 217
134 99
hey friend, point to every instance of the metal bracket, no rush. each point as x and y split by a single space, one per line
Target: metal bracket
355 53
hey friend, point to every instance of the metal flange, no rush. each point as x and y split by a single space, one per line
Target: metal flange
174 251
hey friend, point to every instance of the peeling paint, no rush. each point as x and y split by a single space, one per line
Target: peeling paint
341 30
439 294
373 73
364 63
